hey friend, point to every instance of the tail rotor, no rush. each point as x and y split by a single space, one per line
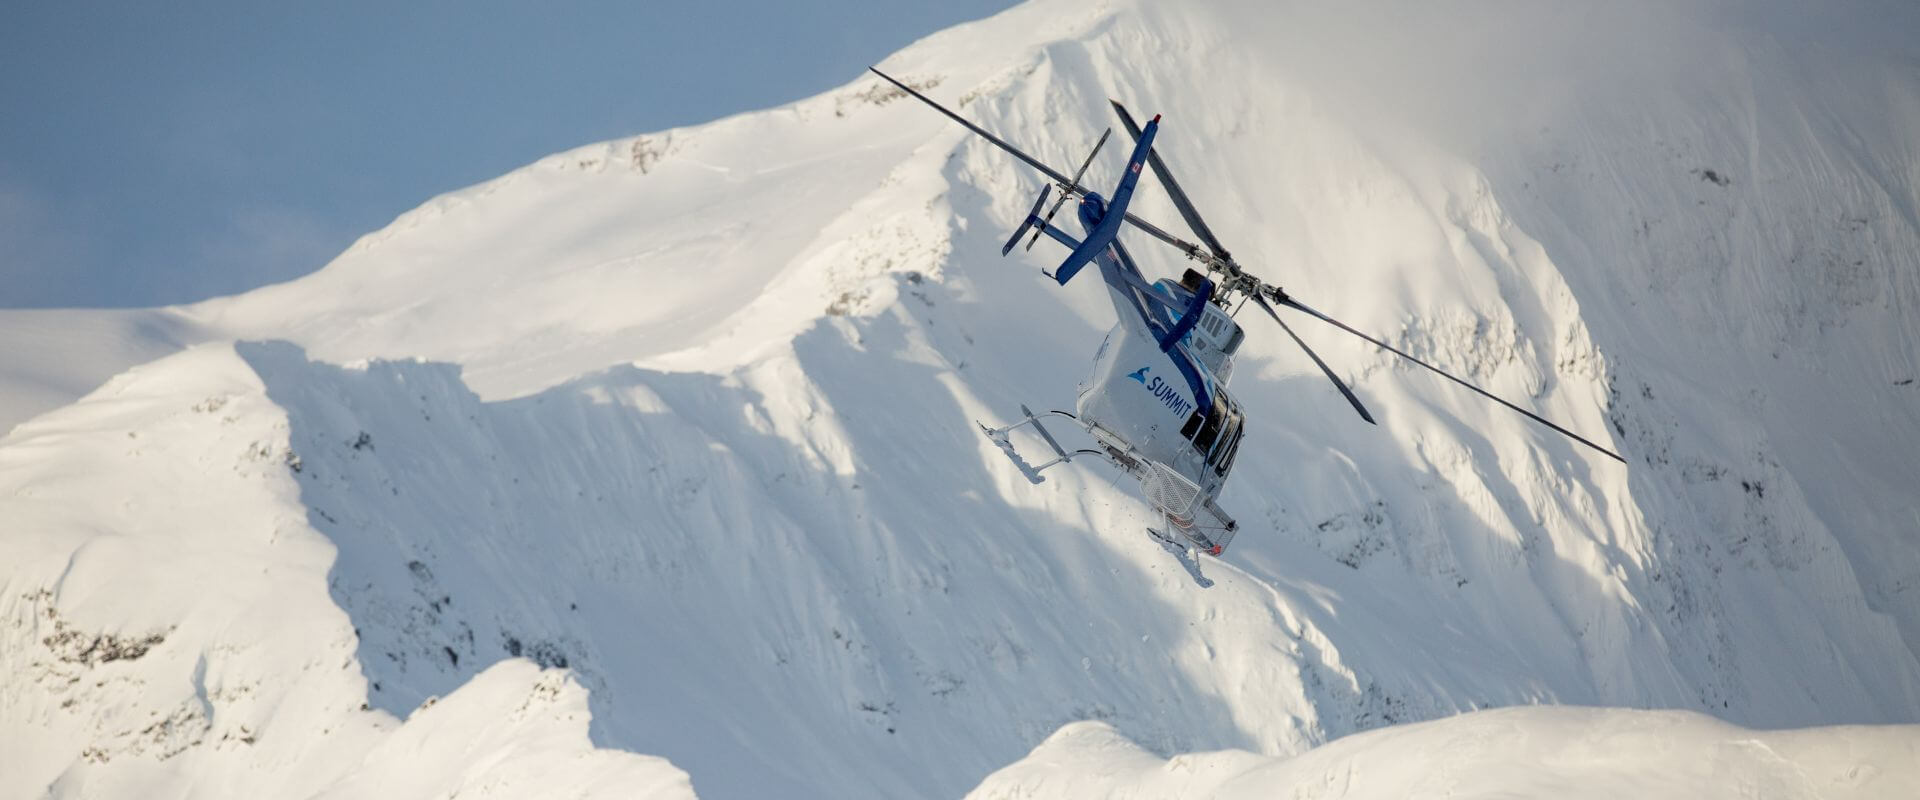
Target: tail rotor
1033 219
1064 195
1038 223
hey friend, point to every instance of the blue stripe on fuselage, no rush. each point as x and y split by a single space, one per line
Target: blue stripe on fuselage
1115 264
1123 279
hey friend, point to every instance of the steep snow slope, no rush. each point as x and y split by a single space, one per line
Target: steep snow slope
56 357
1514 752
167 630
690 416
692 249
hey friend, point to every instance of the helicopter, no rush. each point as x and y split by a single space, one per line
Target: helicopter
1156 403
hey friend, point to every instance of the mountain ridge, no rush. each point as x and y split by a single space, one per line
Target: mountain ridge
700 436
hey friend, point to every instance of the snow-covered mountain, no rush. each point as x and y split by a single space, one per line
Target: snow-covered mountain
1538 751
666 445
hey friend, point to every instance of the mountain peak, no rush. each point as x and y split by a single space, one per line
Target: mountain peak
680 431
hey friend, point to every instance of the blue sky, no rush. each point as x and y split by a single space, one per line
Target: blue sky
156 153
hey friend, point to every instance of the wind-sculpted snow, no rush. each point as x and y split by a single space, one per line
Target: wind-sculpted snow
165 628
762 538
681 429
1568 753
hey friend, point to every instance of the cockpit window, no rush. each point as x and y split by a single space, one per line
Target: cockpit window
1210 429
1230 449
1218 436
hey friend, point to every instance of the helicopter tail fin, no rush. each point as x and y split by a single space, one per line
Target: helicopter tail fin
1104 222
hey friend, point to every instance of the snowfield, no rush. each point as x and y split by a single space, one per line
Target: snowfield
651 468
1510 752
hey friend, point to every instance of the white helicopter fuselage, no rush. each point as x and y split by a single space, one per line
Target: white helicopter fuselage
1167 407
1156 400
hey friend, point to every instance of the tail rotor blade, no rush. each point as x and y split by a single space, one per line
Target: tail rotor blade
1064 197
1290 302
1029 220
1341 385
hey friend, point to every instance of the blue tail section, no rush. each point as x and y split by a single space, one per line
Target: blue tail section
1190 317
1103 220
1033 218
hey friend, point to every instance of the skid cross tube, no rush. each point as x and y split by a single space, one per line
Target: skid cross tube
1000 438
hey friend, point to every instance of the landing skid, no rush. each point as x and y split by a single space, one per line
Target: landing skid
1182 552
1005 444
1001 438
1175 538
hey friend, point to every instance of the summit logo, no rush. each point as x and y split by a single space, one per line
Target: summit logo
1163 391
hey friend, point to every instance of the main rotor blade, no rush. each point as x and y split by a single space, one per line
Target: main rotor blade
1288 301
1179 196
1316 360
1063 180
1192 250
1091 153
